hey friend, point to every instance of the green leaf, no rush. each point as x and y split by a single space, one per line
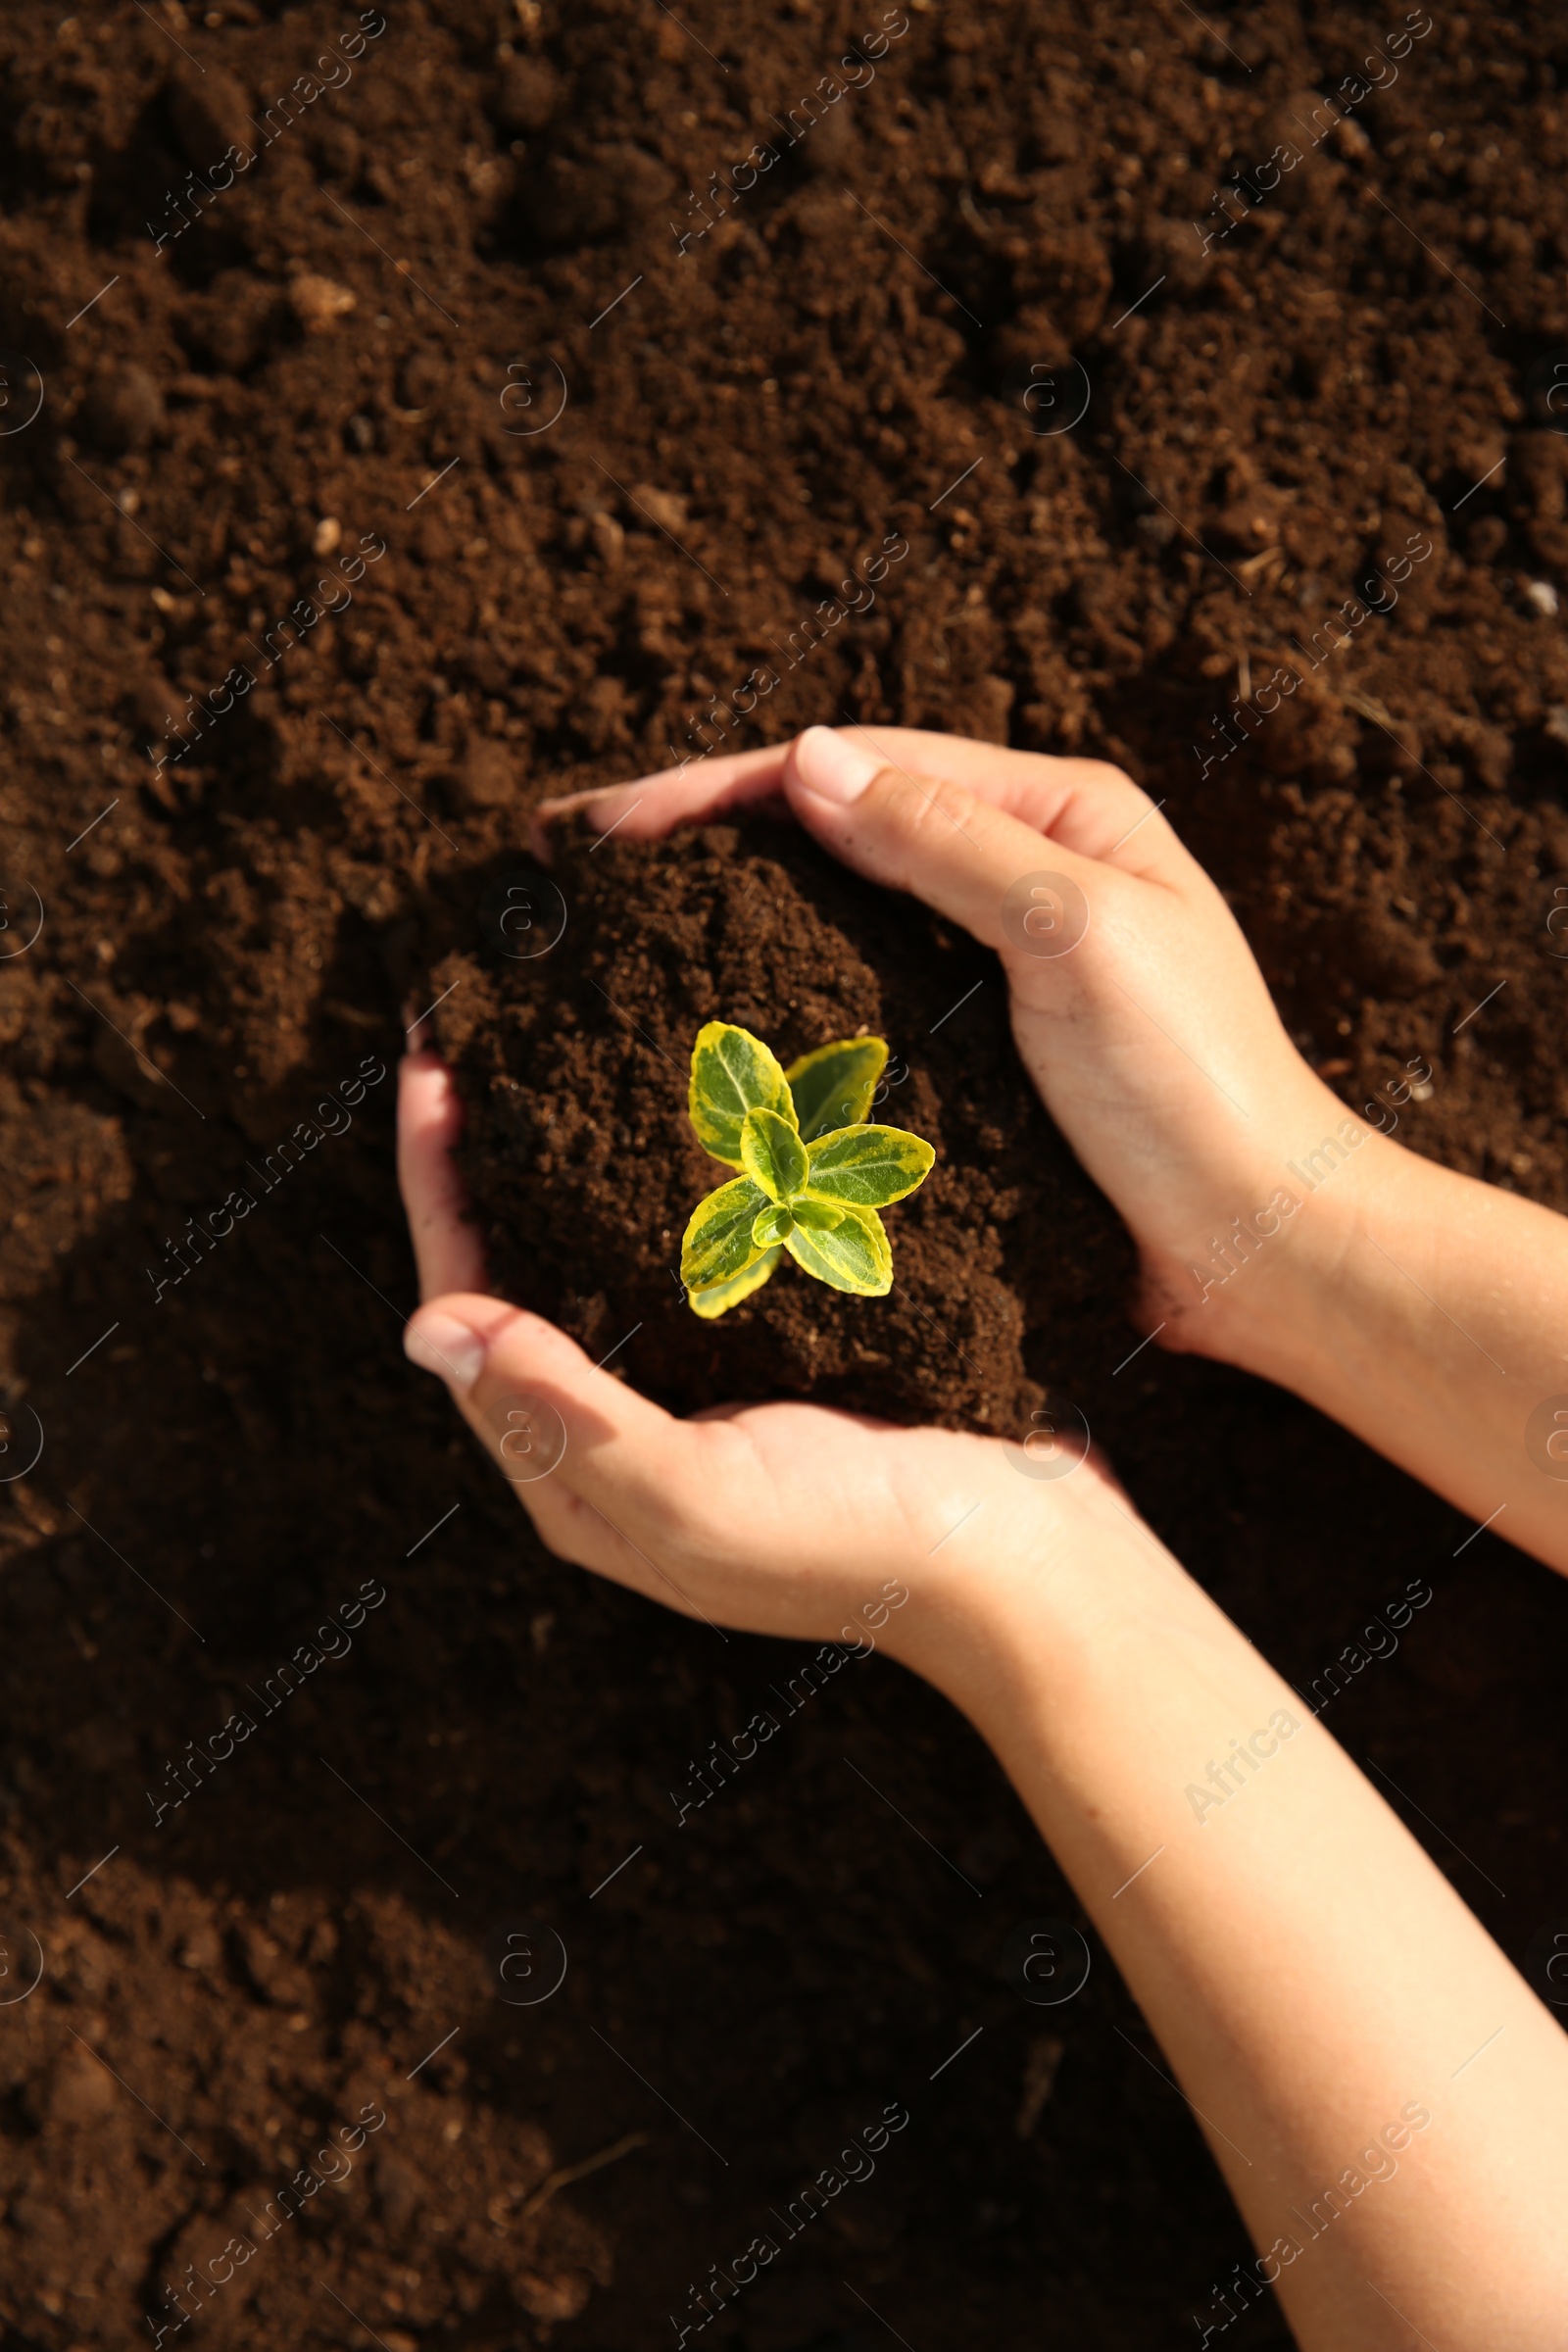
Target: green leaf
720 1296
817 1216
772 1155
773 1224
717 1243
732 1073
854 1256
868 1167
833 1086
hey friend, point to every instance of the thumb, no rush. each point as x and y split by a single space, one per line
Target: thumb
1012 888
596 1466
543 1408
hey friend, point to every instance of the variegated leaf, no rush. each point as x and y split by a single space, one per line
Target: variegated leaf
720 1296
868 1167
854 1256
817 1216
833 1086
717 1243
732 1073
772 1224
772 1155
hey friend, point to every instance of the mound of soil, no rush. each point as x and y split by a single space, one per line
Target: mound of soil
509 420
1009 1266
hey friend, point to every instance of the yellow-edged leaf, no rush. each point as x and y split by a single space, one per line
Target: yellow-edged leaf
817 1216
717 1243
772 1224
732 1073
772 1155
854 1256
868 1167
721 1297
832 1087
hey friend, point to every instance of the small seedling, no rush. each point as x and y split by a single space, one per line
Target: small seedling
813 1173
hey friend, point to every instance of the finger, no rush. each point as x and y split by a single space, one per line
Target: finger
607 1477
446 1247
930 836
1084 805
654 806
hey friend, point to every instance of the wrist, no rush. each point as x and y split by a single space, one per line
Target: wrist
1271 1293
1030 1621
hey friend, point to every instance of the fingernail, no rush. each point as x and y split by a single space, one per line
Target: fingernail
834 769
564 802
441 1345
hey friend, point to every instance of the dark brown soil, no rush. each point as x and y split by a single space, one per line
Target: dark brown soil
867 347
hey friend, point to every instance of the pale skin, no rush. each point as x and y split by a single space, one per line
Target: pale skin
1314 1982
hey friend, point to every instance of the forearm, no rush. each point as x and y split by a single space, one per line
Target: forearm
1427 1313
1315 1982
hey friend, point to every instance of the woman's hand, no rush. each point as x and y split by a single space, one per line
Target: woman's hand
1139 1009
784 1519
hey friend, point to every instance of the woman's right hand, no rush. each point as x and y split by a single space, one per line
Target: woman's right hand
1139 1009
